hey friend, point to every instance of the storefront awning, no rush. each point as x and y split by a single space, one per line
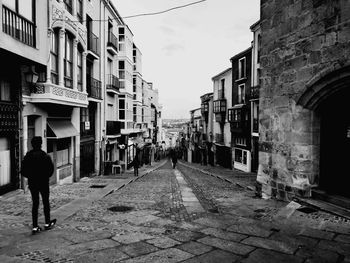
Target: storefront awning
58 129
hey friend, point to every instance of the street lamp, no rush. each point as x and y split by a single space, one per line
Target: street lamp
31 76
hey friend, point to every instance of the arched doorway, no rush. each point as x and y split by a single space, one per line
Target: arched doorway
328 97
334 115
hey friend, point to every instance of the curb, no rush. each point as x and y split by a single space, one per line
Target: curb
250 188
136 178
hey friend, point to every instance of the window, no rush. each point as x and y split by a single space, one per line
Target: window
54 57
241 68
68 62
241 141
25 8
135 114
121 70
80 10
259 48
63 146
68 5
221 90
84 114
241 94
122 109
241 156
80 70
5 91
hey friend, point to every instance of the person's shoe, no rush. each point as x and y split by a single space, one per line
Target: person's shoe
36 230
51 224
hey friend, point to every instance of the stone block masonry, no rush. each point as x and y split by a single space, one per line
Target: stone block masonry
303 42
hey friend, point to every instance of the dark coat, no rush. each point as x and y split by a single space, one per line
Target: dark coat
37 166
173 156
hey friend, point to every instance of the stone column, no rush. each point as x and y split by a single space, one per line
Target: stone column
61 47
84 71
75 63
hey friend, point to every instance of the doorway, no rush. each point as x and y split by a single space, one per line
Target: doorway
334 115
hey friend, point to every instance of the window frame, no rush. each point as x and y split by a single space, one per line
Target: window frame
242 68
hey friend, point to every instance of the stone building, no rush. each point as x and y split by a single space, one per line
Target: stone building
304 109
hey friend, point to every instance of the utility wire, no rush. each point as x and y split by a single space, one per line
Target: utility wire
165 11
145 14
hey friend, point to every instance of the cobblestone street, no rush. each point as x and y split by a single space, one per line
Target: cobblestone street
189 214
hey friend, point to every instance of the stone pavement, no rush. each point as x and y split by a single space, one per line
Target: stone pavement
241 179
150 220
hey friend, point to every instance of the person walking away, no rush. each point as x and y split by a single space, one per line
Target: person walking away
37 166
136 162
173 158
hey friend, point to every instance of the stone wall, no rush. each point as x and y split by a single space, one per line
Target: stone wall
302 41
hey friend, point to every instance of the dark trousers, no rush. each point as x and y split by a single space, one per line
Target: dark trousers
45 194
174 164
136 171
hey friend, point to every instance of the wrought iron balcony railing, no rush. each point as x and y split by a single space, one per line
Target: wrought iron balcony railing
113 83
93 88
18 27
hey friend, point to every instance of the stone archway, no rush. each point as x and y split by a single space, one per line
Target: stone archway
329 99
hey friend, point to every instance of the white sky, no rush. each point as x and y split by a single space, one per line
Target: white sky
184 48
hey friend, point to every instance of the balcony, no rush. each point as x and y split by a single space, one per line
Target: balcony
220 106
112 84
114 128
51 93
204 108
18 27
112 43
8 117
254 92
238 118
93 87
93 45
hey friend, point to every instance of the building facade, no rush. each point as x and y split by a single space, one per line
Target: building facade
222 100
239 115
71 81
254 95
207 128
305 78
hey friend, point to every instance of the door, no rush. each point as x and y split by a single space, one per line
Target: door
5 162
335 144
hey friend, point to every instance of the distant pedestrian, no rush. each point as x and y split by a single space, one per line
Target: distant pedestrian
38 168
136 162
173 156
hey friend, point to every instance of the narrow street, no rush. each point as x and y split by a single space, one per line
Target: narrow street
170 215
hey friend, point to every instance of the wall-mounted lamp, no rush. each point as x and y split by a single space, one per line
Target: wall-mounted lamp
31 76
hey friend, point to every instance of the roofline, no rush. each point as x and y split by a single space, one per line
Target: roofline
254 25
195 109
207 94
221 73
240 53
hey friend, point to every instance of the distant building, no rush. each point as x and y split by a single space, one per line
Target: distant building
222 100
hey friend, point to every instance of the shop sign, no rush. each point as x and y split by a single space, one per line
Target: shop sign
87 125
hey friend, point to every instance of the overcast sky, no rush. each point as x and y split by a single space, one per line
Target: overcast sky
184 48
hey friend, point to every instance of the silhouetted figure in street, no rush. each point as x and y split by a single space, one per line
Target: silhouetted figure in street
173 157
136 162
37 166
